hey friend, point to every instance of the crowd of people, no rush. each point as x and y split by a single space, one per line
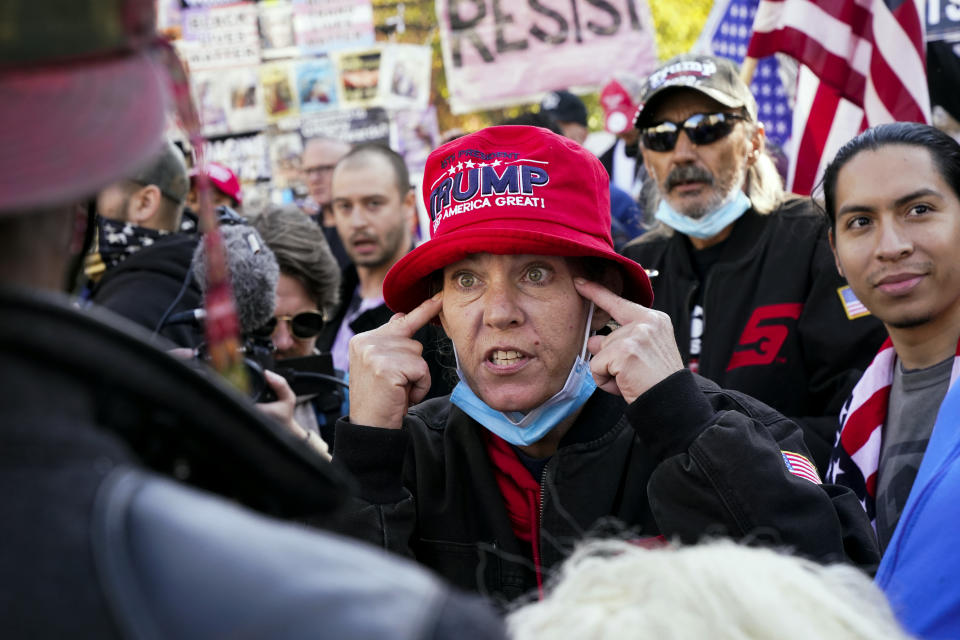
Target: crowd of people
645 394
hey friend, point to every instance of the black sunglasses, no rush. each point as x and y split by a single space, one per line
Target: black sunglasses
304 325
701 128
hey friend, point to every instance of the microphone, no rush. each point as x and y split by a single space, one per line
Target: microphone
193 317
253 275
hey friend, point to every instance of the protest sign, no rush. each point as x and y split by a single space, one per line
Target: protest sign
350 125
316 85
276 29
498 53
405 76
279 100
322 26
221 36
359 77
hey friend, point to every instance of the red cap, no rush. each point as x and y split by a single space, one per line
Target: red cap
618 107
223 179
511 190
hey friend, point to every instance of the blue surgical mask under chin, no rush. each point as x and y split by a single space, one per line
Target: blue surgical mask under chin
524 429
709 225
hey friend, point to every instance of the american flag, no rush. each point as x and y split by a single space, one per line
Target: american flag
799 466
851 304
727 34
868 52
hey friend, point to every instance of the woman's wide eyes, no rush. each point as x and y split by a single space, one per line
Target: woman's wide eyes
466 280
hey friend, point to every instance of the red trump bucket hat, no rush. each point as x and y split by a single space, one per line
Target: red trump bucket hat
511 190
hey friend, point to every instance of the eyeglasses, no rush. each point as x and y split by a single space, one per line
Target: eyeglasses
304 325
319 169
701 128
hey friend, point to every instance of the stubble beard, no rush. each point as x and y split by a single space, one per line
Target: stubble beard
389 251
723 194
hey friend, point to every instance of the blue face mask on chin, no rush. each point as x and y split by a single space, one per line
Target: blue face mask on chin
524 429
710 224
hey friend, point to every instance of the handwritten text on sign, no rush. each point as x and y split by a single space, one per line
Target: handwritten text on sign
498 52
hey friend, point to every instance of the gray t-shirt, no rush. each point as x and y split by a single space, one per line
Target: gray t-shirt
915 398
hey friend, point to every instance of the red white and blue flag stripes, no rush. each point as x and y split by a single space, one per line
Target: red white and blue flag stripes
867 52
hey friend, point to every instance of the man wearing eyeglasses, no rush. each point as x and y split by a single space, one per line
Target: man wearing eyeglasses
320 156
743 270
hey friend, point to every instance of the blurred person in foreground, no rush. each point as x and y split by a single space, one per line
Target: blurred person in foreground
614 590
539 443
892 198
744 272
97 543
308 290
320 157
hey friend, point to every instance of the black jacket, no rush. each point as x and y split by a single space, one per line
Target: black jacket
95 544
144 285
685 460
775 282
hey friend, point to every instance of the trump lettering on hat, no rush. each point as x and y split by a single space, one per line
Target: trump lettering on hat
511 190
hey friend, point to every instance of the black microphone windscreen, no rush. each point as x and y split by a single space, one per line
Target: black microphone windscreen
253 274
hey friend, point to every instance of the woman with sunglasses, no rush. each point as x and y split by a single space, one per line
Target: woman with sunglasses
744 272
307 293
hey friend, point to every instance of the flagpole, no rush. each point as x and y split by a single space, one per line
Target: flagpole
747 69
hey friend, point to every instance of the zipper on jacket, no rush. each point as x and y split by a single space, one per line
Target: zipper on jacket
535 538
688 333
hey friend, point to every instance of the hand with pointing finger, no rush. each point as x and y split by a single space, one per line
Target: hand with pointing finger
636 356
387 369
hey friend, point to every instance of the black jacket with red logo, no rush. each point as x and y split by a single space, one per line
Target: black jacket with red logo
774 324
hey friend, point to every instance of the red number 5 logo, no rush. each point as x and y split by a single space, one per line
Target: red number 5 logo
762 339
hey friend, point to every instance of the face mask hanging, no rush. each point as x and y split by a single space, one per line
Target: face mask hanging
524 429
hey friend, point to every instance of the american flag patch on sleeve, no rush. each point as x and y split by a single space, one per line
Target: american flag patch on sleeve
851 306
798 465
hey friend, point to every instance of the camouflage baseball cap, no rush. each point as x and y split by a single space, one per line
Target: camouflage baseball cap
717 78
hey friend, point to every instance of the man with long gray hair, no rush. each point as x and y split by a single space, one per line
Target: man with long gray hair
744 272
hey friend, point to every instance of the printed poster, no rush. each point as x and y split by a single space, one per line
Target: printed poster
246 155
497 53
405 76
415 133
276 29
285 152
359 77
245 110
210 94
279 97
221 36
316 85
350 125
322 26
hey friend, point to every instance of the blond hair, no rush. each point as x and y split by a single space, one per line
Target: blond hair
720 590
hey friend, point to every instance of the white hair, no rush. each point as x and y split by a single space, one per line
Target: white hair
720 590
